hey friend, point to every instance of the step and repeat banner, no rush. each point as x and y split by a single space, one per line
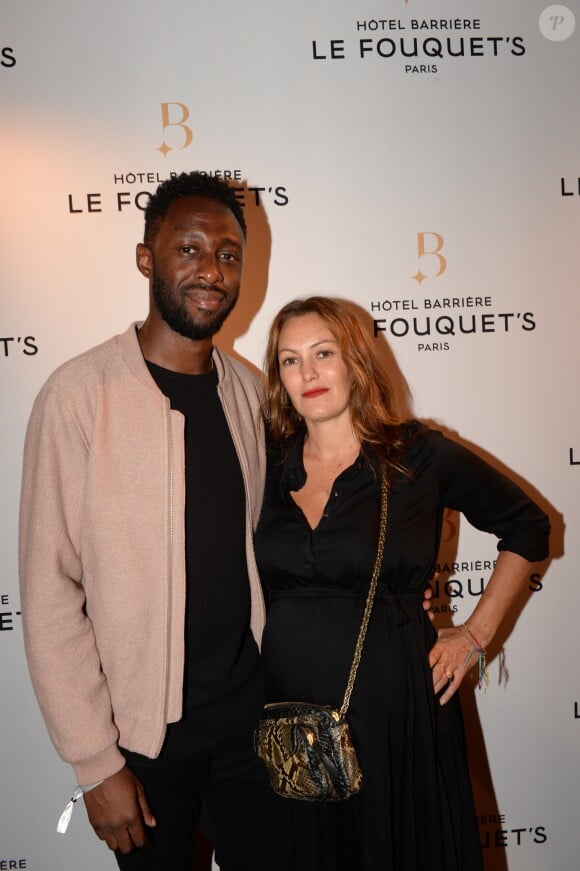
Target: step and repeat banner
419 159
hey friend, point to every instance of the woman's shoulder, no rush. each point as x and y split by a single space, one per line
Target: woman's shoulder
421 444
441 452
401 448
412 429
415 431
414 435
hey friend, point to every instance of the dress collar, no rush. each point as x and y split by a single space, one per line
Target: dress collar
293 475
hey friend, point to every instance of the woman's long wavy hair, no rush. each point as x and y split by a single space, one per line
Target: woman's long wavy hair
371 408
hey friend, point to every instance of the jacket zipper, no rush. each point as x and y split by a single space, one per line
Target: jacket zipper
240 455
170 554
163 724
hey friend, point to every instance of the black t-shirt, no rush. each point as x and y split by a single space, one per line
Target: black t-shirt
222 681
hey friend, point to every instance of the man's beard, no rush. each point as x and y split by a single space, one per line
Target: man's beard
176 315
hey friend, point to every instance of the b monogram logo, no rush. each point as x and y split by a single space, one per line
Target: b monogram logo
432 252
168 122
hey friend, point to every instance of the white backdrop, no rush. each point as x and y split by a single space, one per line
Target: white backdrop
417 158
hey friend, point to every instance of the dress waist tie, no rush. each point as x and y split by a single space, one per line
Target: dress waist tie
395 601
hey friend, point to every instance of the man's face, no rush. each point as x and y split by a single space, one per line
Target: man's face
195 265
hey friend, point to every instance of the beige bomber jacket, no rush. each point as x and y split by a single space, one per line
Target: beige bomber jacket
102 550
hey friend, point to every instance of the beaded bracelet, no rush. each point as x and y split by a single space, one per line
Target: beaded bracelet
483 676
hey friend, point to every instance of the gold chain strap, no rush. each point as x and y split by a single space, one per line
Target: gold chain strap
370 598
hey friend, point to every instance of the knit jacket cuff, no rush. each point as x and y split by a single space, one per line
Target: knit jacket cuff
99 767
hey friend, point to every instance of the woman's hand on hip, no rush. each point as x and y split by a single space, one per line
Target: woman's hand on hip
450 659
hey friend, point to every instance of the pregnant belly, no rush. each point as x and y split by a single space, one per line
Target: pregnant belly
308 647
309 642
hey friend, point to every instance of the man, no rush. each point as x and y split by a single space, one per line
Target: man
142 484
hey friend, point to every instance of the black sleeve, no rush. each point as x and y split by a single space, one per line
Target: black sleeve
489 500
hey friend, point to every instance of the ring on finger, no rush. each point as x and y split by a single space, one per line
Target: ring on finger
449 675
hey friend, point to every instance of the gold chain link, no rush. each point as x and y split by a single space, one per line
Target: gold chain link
371 596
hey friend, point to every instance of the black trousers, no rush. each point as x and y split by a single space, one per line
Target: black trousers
249 825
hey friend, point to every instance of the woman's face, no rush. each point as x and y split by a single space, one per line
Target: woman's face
312 369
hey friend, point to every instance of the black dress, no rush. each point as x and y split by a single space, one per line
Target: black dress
415 811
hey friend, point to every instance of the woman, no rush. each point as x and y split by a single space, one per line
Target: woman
332 431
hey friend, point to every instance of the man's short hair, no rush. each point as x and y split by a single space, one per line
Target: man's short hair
189 184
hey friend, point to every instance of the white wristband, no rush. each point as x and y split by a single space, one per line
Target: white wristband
65 816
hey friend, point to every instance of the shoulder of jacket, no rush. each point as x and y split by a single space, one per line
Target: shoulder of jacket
240 370
87 369
92 362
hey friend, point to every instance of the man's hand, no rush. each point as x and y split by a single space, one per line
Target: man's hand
119 812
